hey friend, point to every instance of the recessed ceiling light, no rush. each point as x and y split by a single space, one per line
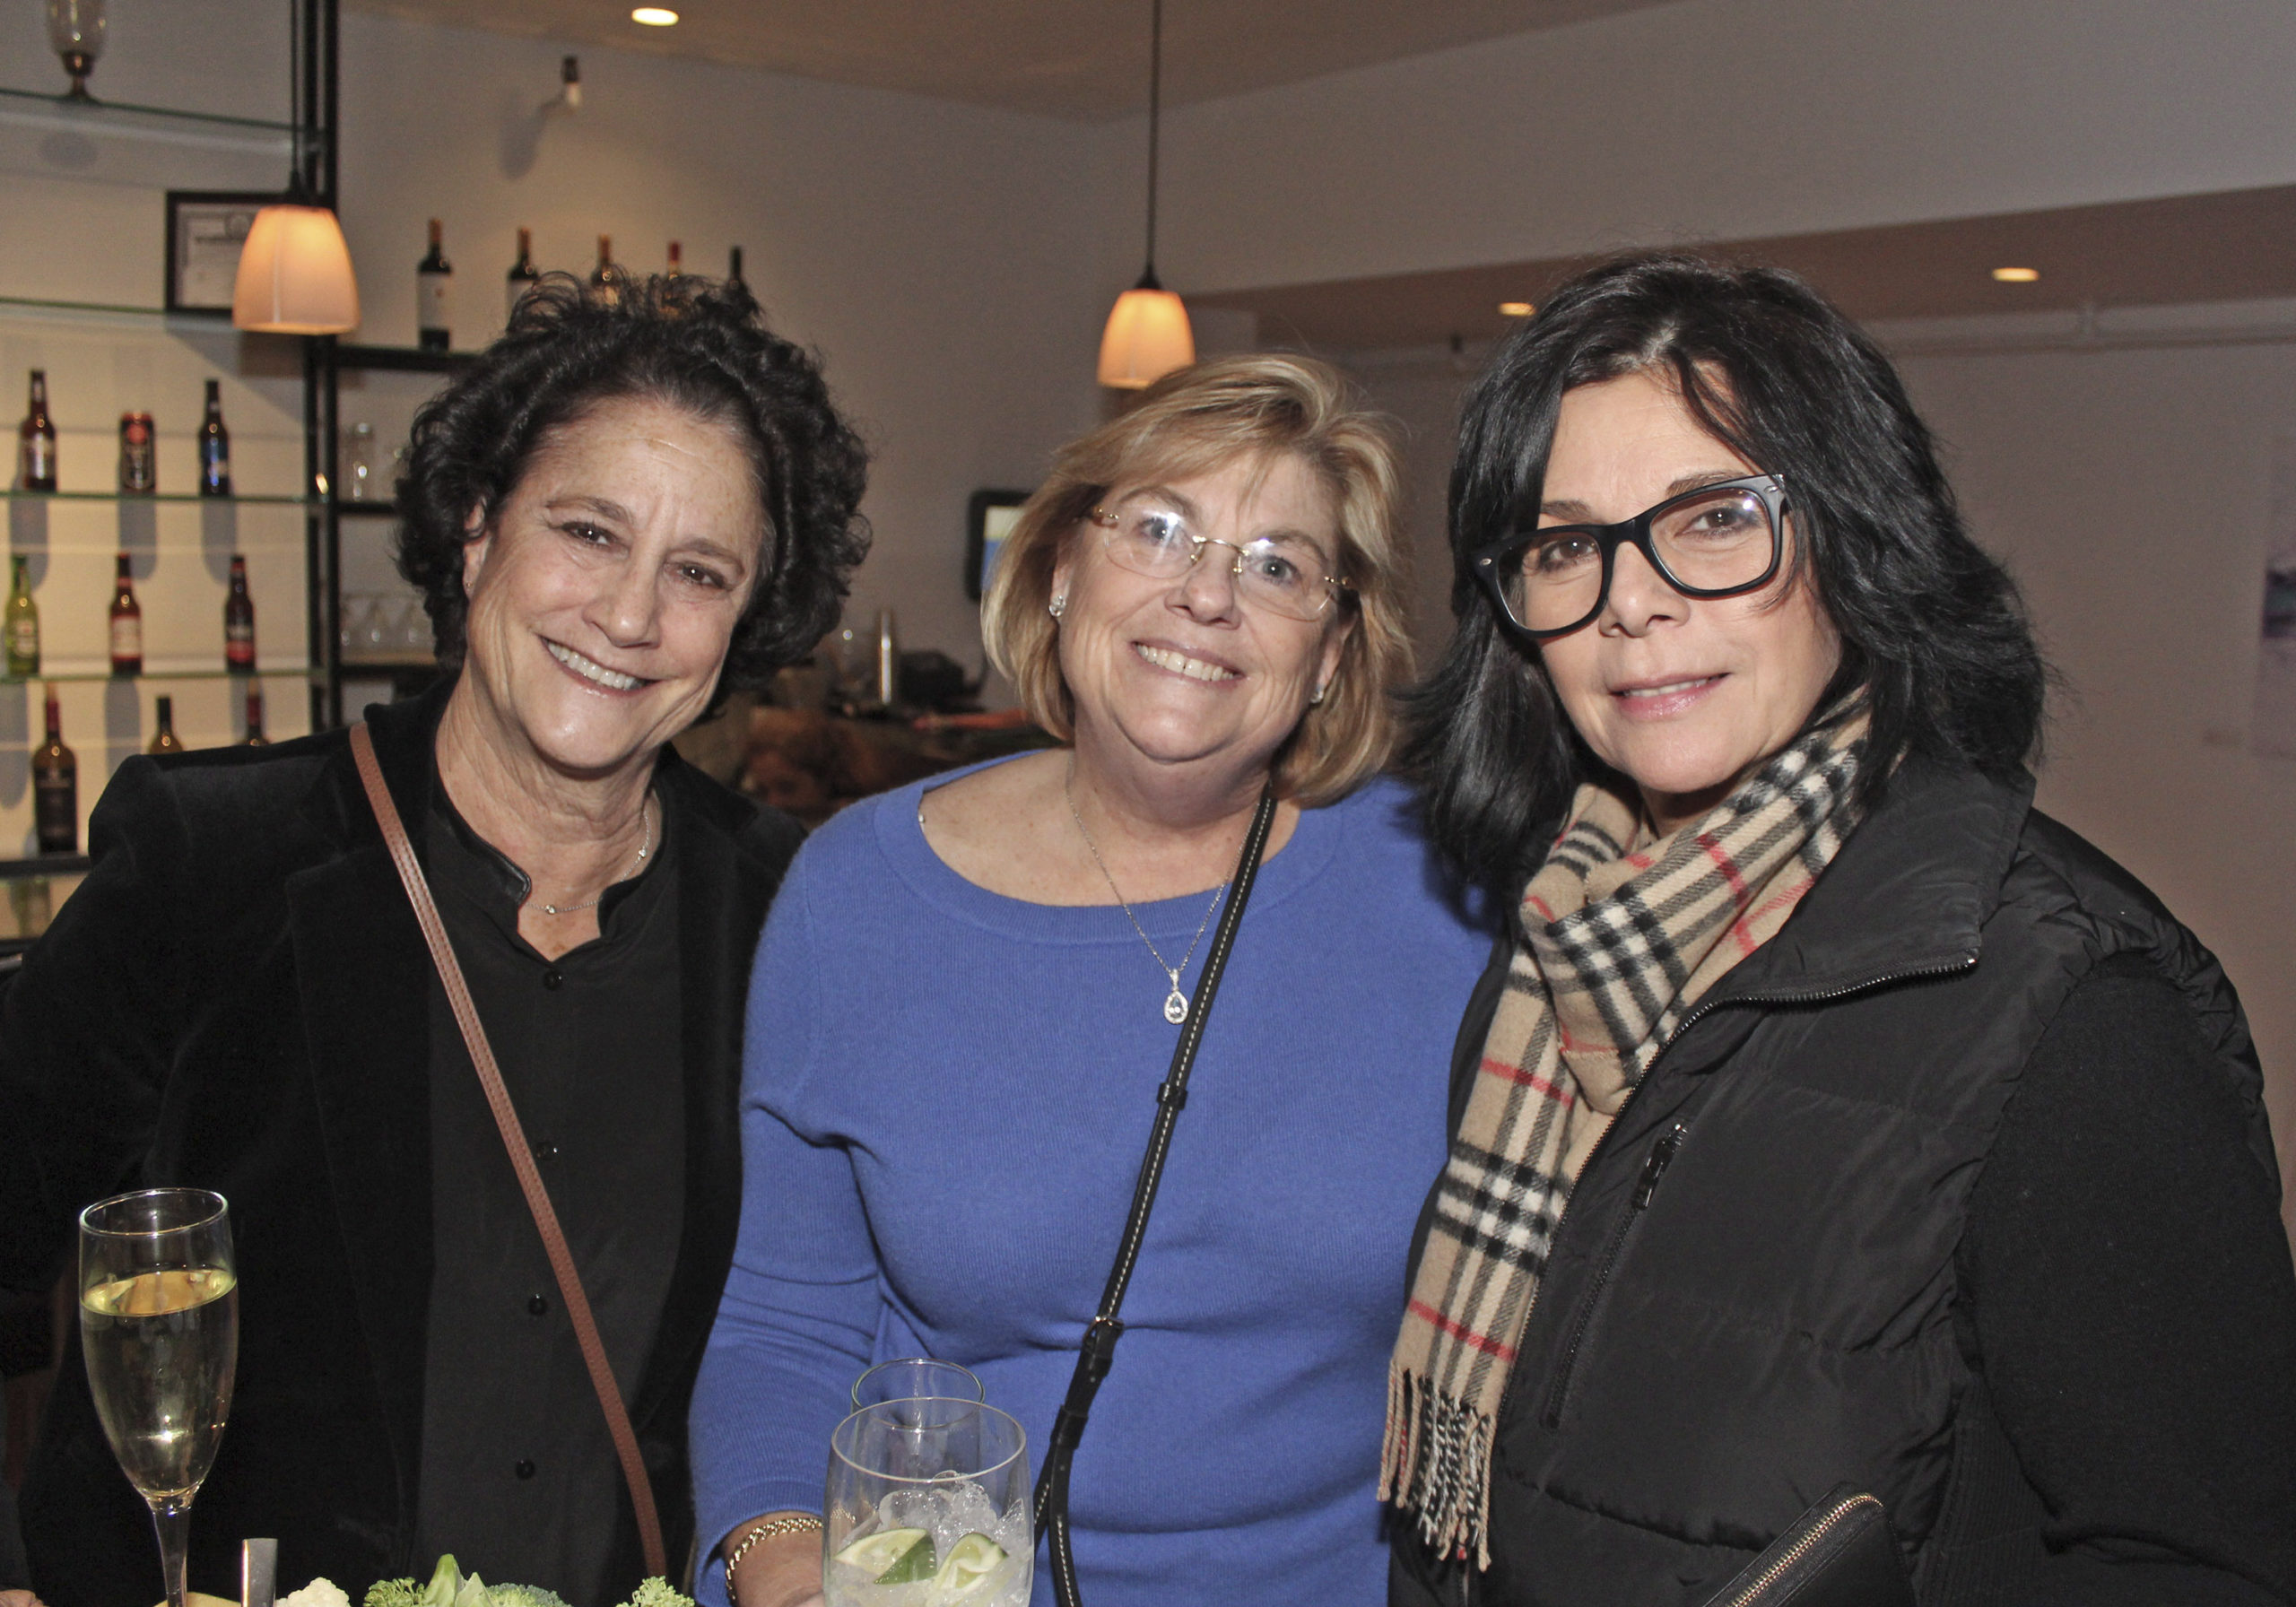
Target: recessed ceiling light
1516 310
2016 276
655 16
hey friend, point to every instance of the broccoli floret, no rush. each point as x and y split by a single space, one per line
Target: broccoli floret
657 1591
394 1593
521 1595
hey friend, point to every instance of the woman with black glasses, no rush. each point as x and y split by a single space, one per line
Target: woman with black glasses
1830 1118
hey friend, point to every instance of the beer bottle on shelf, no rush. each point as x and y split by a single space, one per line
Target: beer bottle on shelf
23 623
165 740
214 445
734 269
36 437
607 278
127 624
255 737
434 282
56 788
238 622
139 462
523 275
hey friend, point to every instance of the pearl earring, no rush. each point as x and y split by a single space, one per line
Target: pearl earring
1316 701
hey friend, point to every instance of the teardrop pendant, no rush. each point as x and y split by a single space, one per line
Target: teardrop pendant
1176 1005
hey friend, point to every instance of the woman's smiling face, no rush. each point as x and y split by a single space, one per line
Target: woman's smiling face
1182 671
1684 697
604 591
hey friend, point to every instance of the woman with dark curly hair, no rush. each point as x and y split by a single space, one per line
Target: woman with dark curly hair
614 514
1831 1123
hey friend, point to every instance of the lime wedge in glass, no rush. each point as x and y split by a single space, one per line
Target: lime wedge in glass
892 1555
969 1563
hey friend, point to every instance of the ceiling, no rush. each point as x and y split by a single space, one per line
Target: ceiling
1068 58
2231 245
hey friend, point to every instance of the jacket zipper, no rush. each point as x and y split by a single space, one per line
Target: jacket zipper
1654 1167
1798 1549
1698 1012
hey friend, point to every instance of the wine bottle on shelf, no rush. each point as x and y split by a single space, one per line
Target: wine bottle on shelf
36 437
165 740
607 278
734 269
127 624
214 445
255 737
523 275
56 788
23 623
238 622
677 260
434 283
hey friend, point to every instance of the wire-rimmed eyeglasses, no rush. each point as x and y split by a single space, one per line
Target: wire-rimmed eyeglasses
1713 541
1281 574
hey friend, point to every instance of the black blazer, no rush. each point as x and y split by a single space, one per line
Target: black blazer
236 999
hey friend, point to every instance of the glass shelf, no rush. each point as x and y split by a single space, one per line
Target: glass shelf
126 116
104 677
111 309
46 864
412 359
386 662
17 496
367 510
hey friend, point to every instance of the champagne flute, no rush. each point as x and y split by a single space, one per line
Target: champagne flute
927 1506
160 1329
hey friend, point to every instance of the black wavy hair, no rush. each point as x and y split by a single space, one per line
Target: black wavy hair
1934 637
690 342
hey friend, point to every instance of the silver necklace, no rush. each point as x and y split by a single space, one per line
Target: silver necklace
647 814
1175 1002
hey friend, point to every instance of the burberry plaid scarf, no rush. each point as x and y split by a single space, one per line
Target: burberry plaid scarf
1622 941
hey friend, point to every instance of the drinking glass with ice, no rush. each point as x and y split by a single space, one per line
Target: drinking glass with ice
927 1506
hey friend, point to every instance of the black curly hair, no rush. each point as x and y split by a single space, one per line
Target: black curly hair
1934 640
691 341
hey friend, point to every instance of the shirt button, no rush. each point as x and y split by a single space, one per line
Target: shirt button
536 1306
553 978
545 1151
526 1468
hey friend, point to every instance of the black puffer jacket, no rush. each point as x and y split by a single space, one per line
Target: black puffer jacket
1753 1292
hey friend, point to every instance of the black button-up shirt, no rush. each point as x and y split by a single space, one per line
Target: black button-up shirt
518 1477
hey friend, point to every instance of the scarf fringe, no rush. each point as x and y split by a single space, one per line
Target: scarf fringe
1436 1465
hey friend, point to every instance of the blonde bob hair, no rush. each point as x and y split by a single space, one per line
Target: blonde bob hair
1197 420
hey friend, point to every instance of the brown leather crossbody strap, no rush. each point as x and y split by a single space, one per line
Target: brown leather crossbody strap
522 1157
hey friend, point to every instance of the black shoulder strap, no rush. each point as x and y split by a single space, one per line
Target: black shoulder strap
1098 1352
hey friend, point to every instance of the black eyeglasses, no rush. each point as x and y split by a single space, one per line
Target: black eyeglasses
1716 541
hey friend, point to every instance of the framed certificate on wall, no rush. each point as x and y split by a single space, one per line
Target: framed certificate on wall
206 229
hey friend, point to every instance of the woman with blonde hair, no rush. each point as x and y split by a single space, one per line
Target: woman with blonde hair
970 987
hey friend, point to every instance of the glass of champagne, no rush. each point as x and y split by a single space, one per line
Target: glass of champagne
159 1328
915 1376
927 1506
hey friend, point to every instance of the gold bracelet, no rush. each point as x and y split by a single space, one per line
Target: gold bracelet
795 1522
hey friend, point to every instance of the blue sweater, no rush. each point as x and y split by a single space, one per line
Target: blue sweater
945 1097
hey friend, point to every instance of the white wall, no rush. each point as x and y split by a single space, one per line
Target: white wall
929 250
2131 494
1727 119
2131 491
953 264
